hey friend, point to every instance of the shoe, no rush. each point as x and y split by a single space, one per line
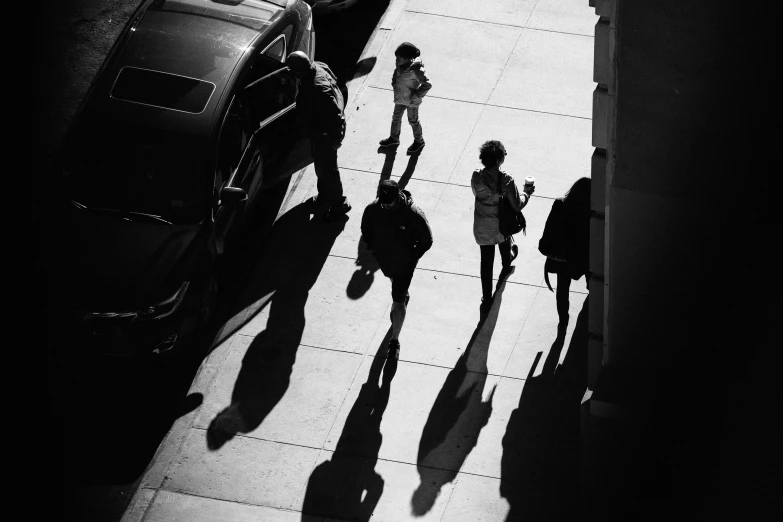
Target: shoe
389 142
394 350
337 210
416 147
514 254
486 306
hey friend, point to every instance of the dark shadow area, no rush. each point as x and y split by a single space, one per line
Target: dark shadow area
302 245
363 277
406 176
540 463
341 38
347 487
457 416
388 161
364 66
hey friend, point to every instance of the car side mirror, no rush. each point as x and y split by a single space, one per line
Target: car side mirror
231 196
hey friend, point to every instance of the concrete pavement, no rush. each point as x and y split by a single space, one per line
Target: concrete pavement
300 419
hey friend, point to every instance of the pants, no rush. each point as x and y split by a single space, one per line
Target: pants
488 262
413 119
330 188
561 294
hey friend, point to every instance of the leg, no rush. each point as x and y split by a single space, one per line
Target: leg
487 262
400 284
396 125
330 188
413 119
563 284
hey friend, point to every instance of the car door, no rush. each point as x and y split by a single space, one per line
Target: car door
269 92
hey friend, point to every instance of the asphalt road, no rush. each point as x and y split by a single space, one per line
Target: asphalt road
108 416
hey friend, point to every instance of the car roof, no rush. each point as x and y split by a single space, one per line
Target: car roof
196 39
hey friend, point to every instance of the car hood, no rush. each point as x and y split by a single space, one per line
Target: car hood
111 264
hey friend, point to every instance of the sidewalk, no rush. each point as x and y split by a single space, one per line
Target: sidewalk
298 416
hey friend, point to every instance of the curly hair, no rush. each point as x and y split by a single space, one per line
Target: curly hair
491 152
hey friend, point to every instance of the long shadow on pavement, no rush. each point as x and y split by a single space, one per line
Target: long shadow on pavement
299 247
540 463
458 414
347 487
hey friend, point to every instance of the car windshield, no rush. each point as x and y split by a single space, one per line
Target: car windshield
140 172
251 13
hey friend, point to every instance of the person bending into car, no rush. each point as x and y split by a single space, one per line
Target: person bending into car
320 109
397 233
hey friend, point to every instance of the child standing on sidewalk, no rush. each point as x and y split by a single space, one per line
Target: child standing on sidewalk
410 84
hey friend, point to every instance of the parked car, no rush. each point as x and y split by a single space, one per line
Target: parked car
330 6
189 113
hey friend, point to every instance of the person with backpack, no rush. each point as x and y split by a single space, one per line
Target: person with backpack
397 233
410 84
489 186
566 243
320 109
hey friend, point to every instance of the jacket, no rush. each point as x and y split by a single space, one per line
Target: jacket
410 84
320 105
572 228
397 237
484 183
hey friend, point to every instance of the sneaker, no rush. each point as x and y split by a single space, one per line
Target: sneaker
416 147
389 142
394 350
514 254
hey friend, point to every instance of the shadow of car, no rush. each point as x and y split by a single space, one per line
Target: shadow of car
189 117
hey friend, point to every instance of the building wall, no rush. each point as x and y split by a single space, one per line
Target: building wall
685 134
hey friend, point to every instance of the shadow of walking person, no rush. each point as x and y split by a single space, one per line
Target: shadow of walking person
409 170
363 277
388 161
457 416
540 463
347 487
266 367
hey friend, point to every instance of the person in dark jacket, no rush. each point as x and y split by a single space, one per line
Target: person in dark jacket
397 233
575 211
320 109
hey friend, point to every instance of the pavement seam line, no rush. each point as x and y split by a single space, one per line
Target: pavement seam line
485 104
243 503
523 26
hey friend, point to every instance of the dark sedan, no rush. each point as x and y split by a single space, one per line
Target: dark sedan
185 122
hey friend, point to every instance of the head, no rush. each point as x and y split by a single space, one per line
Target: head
492 153
406 52
388 194
299 64
579 193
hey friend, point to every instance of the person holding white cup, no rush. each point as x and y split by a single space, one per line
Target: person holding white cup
486 228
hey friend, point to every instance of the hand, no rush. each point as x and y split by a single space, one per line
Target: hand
529 189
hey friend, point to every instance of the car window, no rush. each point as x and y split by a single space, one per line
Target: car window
235 134
276 50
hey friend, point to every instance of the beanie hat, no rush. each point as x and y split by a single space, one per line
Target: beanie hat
407 50
388 190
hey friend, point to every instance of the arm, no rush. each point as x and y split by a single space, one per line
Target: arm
422 234
518 200
424 83
328 110
368 234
